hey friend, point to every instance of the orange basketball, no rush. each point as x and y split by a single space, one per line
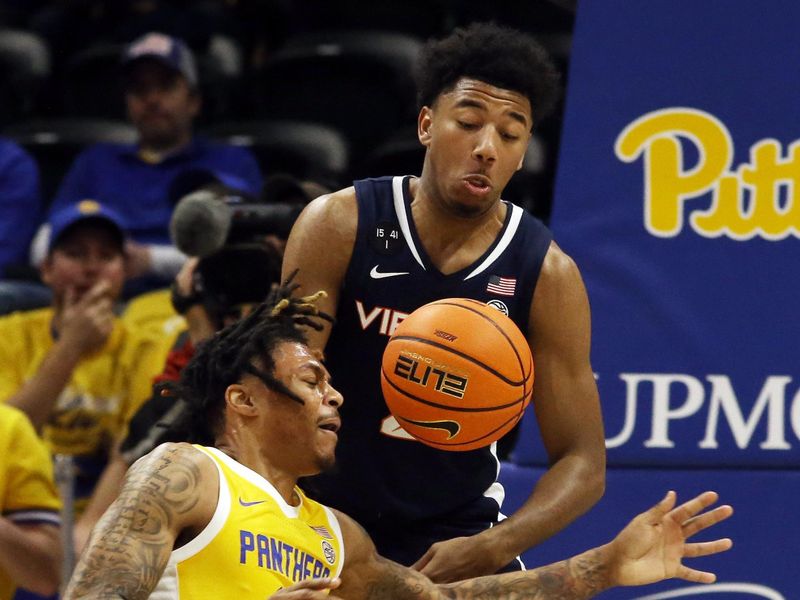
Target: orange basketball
457 374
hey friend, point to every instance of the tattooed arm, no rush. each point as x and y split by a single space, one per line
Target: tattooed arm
169 492
649 549
369 576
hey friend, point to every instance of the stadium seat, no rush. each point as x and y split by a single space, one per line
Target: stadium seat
401 154
90 83
357 82
24 66
305 150
388 15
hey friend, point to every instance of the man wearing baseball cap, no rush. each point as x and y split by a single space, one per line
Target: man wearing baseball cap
74 368
162 97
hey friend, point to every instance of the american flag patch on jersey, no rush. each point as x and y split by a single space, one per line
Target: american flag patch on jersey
504 286
323 531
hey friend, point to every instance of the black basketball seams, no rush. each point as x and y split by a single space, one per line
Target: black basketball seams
495 325
447 406
463 355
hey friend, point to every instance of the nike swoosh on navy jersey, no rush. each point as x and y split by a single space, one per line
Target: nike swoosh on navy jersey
253 503
375 274
451 427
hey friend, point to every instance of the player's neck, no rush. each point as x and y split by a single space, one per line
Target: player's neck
452 241
242 445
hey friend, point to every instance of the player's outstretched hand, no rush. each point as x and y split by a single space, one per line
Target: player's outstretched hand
310 589
653 545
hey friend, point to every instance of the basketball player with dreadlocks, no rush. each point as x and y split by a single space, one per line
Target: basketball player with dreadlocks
226 519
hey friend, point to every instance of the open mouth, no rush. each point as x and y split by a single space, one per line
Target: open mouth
331 425
478 184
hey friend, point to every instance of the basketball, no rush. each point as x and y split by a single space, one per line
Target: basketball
457 374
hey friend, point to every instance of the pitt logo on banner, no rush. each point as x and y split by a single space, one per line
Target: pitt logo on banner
745 203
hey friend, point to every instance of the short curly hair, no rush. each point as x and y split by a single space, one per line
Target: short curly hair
500 56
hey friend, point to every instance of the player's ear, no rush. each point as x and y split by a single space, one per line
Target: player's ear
238 397
424 125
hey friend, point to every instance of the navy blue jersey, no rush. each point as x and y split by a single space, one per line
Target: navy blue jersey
382 474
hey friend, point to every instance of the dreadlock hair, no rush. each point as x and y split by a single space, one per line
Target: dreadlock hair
230 353
500 56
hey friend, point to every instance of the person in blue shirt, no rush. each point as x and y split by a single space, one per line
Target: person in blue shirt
20 212
163 100
20 204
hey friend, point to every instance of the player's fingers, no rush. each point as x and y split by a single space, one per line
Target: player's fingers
688 509
655 514
320 583
694 575
705 548
424 560
705 520
310 589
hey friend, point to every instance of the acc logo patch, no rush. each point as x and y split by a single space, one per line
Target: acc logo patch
499 305
329 552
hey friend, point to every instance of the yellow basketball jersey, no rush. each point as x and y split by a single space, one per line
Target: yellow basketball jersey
255 543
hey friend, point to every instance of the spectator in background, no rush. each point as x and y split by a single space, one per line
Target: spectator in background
30 549
74 368
163 100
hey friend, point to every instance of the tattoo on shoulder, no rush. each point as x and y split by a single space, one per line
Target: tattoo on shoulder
131 544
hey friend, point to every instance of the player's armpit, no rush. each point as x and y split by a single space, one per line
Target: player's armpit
130 546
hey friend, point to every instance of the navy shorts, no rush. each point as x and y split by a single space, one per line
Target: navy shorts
406 541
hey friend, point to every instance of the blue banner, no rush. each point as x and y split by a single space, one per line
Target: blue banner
764 528
678 195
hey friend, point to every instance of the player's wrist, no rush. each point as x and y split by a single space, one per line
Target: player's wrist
514 537
496 547
598 568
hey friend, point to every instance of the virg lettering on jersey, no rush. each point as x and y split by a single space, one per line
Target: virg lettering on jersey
676 397
745 203
389 318
257 549
423 371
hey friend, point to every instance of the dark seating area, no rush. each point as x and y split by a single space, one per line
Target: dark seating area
320 90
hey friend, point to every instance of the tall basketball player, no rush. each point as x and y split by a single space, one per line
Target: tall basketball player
386 246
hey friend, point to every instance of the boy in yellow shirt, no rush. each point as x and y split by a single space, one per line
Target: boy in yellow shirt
74 368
